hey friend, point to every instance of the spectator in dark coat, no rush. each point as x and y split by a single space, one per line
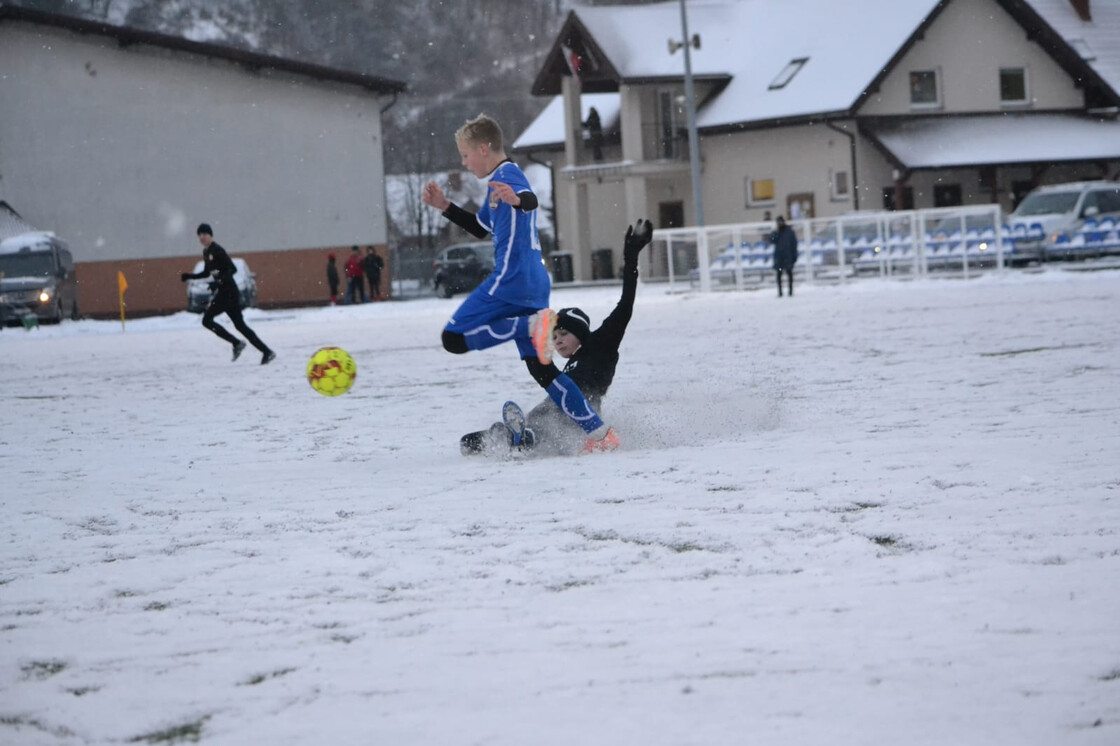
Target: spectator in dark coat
785 253
372 265
595 133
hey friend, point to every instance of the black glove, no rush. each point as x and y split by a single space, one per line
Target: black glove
638 237
184 276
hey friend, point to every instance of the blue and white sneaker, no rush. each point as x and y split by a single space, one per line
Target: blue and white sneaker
514 419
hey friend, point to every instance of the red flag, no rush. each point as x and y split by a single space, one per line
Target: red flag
572 59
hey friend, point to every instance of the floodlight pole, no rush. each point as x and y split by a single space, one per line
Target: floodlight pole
690 104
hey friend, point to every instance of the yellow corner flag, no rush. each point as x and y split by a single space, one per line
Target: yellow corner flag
122 285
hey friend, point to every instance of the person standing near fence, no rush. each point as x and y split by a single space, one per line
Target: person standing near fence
785 253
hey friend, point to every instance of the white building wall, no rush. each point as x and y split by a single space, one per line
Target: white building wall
124 150
798 159
968 44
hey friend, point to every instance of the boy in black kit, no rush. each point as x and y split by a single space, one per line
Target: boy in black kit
592 360
226 299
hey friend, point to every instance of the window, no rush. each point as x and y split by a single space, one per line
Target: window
787 73
1102 202
1013 85
925 93
760 192
839 186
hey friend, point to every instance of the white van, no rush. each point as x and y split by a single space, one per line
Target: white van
1051 215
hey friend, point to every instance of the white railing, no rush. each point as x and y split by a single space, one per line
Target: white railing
910 243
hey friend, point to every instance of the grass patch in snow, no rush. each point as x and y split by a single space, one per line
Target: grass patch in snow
185 733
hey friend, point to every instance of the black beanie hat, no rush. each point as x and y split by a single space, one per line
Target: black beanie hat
204 228
575 321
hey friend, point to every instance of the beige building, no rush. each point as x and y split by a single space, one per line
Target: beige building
123 141
814 108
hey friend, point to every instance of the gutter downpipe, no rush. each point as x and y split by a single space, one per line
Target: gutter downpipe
852 150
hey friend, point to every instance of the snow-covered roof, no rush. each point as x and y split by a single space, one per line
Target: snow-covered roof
748 43
126 36
945 142
1095 41
548 127
752 41
29 239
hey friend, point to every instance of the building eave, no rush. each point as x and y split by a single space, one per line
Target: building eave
252 61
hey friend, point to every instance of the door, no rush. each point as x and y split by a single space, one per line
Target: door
947 195
671 215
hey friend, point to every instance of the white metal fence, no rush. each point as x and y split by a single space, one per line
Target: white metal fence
959 240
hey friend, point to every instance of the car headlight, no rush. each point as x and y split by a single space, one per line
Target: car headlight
44 295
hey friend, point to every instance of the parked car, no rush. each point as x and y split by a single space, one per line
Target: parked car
200 291
1050 212
37 278
460 268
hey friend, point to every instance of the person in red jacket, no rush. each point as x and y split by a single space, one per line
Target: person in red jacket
355 285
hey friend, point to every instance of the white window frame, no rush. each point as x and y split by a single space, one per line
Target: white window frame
751 202
936 104
834 186
1026 100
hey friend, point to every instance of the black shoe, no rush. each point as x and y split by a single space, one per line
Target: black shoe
238 348
267 357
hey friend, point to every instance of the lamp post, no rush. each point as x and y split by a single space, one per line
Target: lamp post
690 105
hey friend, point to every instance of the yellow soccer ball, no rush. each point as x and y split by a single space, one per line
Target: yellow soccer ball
331 371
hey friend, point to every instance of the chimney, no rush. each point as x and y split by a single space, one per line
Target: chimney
1082 8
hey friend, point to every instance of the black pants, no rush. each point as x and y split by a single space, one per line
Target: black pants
226 300
374 285
789 275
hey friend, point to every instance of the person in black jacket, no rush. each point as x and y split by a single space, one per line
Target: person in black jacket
372 264
226 298
592 359
785 253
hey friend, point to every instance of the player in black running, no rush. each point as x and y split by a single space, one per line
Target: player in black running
592 360
226 298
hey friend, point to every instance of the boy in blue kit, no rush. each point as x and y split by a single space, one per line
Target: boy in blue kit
512 303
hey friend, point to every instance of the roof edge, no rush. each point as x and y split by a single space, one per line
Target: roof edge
125 36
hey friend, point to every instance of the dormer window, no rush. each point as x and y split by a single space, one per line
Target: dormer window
787 73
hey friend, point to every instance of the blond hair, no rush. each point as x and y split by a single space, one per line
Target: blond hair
482 130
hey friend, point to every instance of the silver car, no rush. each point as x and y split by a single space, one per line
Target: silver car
199 292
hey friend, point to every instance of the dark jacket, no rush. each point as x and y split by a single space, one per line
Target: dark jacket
332 273
785 248
372 264
220 269
593 366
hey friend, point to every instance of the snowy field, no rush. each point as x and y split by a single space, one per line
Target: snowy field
881 513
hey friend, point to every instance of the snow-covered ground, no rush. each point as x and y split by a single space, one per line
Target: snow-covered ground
887 512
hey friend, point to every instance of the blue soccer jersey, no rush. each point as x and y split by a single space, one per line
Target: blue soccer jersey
519 275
